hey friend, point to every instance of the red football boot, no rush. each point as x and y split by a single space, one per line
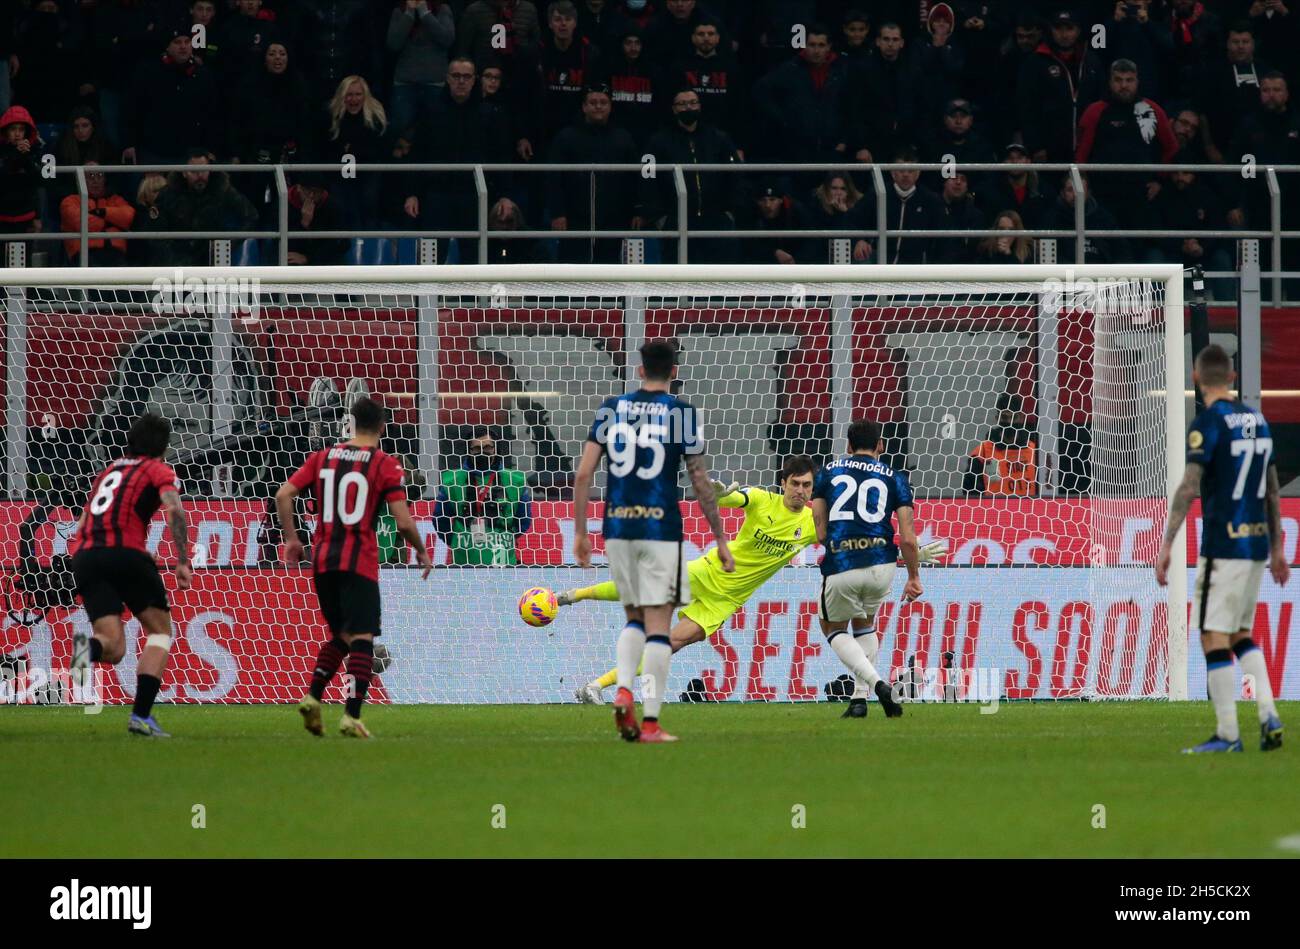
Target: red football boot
625 715
651 732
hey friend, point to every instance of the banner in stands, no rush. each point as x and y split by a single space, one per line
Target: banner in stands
251 635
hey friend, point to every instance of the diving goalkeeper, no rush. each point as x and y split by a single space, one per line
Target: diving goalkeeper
777 526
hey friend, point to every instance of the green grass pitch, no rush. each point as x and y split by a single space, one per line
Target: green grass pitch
941 781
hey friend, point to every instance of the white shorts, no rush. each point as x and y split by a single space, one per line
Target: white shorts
855 594
1233 591
649 572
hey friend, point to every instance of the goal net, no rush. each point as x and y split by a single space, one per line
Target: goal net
1030 407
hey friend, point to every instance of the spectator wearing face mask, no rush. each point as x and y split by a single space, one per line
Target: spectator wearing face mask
710 197
483 506
959 141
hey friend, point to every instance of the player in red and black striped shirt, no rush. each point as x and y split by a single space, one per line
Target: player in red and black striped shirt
112 566
349 481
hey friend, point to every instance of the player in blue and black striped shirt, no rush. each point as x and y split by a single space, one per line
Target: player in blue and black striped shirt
1230 464
645 436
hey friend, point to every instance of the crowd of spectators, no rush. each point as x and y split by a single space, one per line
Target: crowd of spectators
262 82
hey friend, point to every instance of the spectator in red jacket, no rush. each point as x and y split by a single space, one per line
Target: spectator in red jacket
106 212
20 176
1125 129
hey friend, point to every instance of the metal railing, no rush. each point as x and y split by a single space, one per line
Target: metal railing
681 231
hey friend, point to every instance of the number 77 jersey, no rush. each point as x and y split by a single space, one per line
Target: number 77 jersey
1233 444
645 436
348 483
861 494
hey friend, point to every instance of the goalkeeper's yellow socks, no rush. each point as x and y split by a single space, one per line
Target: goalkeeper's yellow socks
600 591
610 677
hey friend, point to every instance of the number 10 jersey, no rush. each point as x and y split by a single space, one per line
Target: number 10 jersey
348 483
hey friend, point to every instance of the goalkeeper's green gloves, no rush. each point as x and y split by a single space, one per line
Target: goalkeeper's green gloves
934 551
721 490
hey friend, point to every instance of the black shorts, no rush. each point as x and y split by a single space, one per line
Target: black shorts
107 577
348 601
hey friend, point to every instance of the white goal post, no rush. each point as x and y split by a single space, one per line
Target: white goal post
1039 412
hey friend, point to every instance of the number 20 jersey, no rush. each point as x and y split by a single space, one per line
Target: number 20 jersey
645 436
348 483
861 494
1233 444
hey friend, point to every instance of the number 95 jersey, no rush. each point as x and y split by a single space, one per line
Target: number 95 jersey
861 494
645 436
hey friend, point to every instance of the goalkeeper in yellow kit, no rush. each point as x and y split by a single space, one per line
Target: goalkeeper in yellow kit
777 526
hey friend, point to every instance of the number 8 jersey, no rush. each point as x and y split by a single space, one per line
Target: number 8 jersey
348 482
861 493
122 502
1232 442
645 436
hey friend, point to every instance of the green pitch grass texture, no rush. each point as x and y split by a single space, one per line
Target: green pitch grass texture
942 781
